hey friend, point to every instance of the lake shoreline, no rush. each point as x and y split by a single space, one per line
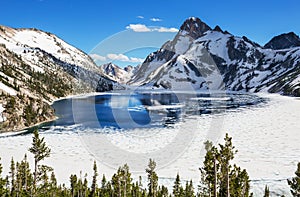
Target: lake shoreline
25 129
85 95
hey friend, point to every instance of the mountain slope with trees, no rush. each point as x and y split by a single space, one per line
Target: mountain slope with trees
36 68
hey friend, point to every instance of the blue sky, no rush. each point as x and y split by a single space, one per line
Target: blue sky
85 24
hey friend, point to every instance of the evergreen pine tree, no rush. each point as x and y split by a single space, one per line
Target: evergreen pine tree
267 192
209 171
116 184
152 178
104 190
40 152
85 186
73 182
3 189
189 189
177 187
121 181
53 185
94 182
294 183
135 192
12 177
24 178
79 185
239 182
163 191
226 155
103 182
218 177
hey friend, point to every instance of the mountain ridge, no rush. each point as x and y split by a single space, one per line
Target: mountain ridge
283 41
116 73
199 54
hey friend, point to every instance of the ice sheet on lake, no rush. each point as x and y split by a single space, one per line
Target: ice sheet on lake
267 138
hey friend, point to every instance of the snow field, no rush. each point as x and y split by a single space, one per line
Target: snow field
266 136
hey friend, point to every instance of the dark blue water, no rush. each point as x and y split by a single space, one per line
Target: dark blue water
145 109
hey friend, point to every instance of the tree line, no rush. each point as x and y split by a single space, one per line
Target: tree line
219 178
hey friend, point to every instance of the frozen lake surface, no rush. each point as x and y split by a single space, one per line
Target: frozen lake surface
265 131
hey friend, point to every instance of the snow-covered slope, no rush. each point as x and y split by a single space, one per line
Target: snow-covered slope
200 57
37 67
37 48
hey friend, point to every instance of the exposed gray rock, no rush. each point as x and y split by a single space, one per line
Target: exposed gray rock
284 41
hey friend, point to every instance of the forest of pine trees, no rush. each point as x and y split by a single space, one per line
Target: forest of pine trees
219 178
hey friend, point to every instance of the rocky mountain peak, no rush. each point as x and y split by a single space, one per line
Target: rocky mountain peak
117 73
284 41
198 52
218 28
195 27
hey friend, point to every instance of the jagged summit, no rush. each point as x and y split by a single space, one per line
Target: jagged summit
116 73
284 41
195 27
198 55
218 28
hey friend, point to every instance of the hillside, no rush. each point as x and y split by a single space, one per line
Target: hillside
36 68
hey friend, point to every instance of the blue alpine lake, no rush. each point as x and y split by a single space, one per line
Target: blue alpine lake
145 109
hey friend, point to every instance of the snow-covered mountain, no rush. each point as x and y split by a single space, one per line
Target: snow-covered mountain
39 49
200 57
116 73
37 67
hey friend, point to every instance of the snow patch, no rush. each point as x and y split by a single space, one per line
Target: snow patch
182 45
7 89
2 117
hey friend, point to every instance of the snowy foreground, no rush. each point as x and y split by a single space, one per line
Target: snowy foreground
266 136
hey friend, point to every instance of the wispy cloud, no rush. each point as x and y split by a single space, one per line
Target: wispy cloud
124 58
144 28
116 57
97 57
141 17
155 19
120 57
166 29
138 28
136 60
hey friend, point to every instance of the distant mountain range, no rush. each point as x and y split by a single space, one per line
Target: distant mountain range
37 67
116 73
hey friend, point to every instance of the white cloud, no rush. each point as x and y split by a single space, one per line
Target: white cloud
144 28
119 57
97 57
141 17
116 57
155 19
138 28
165 29
124 58
136 60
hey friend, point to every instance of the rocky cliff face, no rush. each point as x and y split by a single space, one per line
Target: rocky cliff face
202 58
284 41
